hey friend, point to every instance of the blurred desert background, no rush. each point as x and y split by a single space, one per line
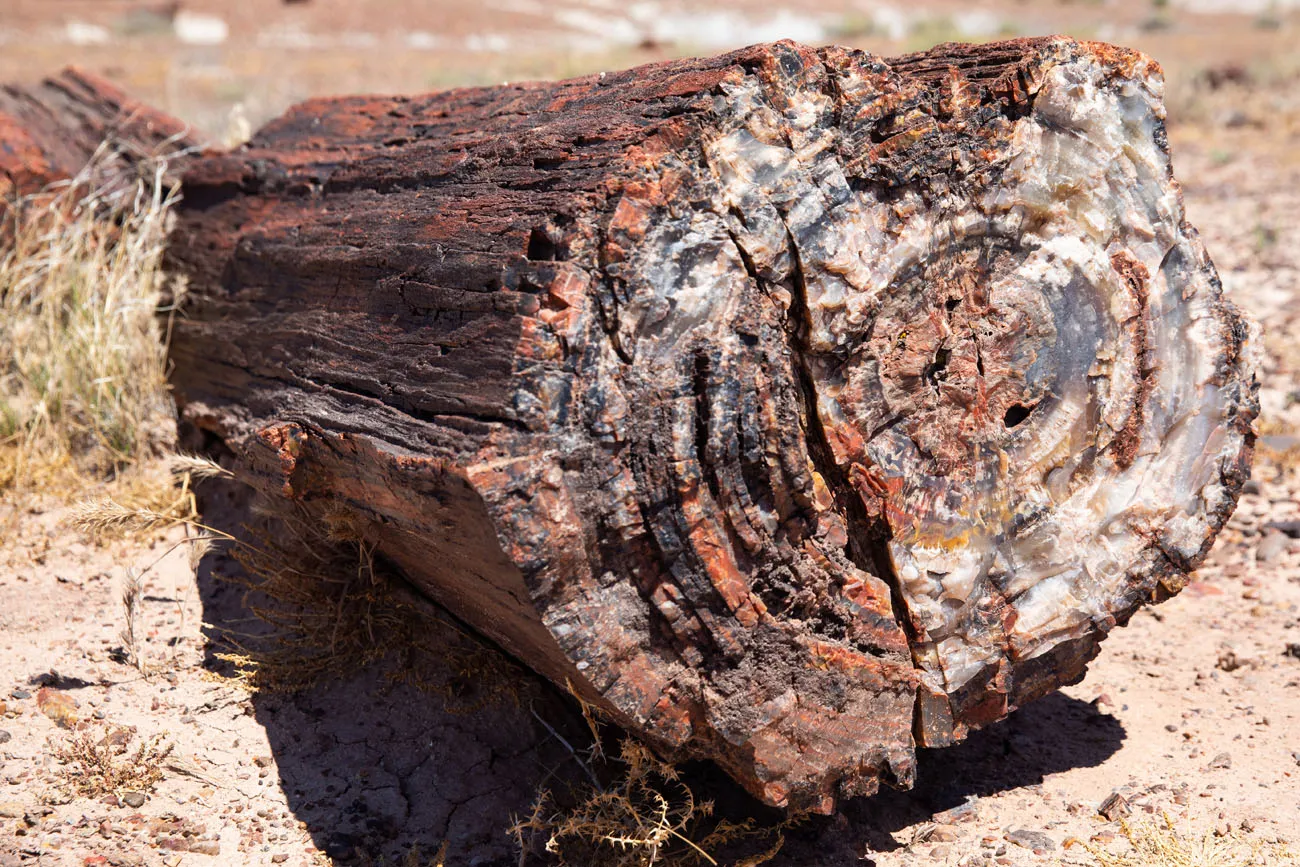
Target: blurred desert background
1181 747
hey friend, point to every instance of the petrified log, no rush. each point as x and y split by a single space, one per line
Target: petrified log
50 131
797 406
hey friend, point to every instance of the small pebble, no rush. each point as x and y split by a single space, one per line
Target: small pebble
1115 806
1035 840
133 799
1271 547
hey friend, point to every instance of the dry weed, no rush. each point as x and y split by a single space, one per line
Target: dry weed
645 815
1164 844
83 387
330 610
100 761
334 609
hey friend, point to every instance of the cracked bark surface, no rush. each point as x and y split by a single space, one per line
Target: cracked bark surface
797 406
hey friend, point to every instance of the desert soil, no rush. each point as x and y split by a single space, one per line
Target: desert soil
1192 712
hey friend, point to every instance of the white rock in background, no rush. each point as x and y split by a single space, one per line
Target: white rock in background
423 40
487 42
85 33
193 28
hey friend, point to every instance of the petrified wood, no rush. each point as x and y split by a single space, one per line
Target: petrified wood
50 131
797 406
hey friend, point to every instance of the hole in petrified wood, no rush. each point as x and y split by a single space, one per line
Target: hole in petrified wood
936 367
540 246
1016 413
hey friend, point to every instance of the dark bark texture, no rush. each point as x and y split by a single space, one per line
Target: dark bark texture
796 406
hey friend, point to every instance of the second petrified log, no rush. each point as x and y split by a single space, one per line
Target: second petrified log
795 405
55 130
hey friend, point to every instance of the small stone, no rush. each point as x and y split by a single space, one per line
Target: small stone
1247 825
20 694
12 810
1280 442
1222 829
944 834
5 737
1292 650
1290 528
1229 660
279 858
133 799
60 707
1272 546
964 812
1170 727
1222 761
207 847
1115 806
1035 840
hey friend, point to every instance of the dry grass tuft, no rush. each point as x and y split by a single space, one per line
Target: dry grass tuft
130 635
100 761
329 609
645 815
333 609
83 387
1164 844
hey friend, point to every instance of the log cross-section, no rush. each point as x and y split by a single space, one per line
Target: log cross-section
796 406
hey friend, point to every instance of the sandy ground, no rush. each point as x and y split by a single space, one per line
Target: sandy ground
1192 712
